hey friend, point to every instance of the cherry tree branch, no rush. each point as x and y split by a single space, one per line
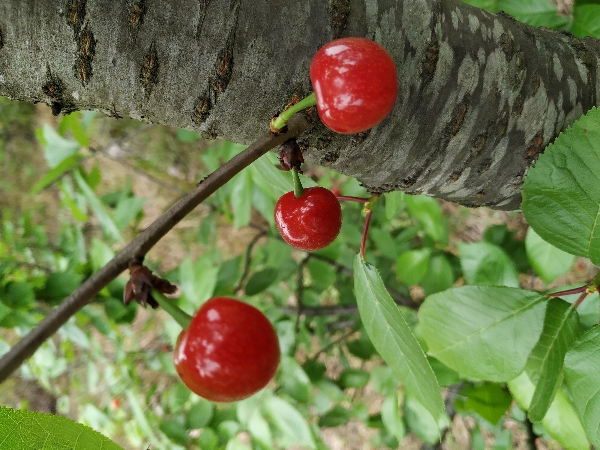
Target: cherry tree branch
141 245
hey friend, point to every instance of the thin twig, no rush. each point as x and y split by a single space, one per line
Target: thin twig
531 436
300 293
140 246
334 343
248 259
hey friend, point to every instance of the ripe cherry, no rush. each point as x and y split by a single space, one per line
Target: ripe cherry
310 221
355 84
229 352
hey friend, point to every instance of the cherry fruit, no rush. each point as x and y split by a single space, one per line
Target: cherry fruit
310 221
229 352
355 84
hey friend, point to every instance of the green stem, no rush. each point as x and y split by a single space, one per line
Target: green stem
298 189
180 316
280 121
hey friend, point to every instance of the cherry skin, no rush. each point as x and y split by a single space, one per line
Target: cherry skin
355 84
229 352
311 221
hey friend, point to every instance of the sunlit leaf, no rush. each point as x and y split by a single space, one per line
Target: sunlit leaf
32 430
561 193
545 363
483 332
548 261
393 338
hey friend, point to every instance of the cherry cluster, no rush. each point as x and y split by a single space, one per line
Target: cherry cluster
229 350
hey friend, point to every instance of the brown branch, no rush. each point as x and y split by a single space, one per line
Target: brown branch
141 245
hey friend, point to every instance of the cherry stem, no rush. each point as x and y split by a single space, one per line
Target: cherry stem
298 189
581 298
352 199
363 242
577 290
281 120
180 316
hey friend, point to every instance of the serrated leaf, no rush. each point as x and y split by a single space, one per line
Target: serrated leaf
393 338
545 363
483 332
29 430
485 264
548 261
561 193
582 378
106 222
561 420
290 421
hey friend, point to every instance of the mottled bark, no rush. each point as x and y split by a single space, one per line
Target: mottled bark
481 95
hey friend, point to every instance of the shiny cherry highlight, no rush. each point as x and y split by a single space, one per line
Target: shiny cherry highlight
355 84
311 221
229 352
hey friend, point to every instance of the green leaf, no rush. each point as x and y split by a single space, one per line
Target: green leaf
293 380
32 430
273 181
548 261
439 275
537 13
260 281
488 400
58 286
72 122
197 281
533 12
391 419
483 332
289 421
54 174
585 19
200 414
18 294
545 363
583 379
420 422
336 416
175 431
186 136
241 198
56 148
427 211
561 420
486 264
412 265
73 201
354 378
393 339
561 193
393 203
106 222
127 210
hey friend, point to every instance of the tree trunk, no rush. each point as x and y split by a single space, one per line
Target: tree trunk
480 96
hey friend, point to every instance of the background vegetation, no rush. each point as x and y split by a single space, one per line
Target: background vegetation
77 188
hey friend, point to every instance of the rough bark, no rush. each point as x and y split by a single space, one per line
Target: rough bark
481 95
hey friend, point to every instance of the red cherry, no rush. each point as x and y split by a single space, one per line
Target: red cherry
311 221
229 352
355 84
